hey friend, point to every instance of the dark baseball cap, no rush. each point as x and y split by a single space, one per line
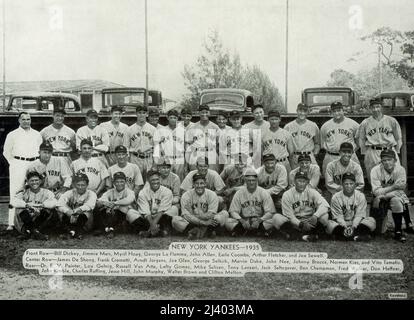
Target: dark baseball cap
141 108
31 174
198 176
172 113
153 112
86 141
269 156
92 113
257 106
304 157
119 175
203 107
80 177
250 172
375 101
301 175
223 114
121 149
116 108
152 172
336 105
162 161
348 176
302 106
388 154
346 146
235 114
273 113
46 146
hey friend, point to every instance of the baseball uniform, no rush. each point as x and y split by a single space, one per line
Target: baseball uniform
305 138
232 143
280 144
139 141
314 175
132 173
334 172
274 182
255 136
195 209
116 136
375 136
21 147
333 134
234 180
99 138
93 168
63 140
213 181
172 182
42 197
160 200
251 206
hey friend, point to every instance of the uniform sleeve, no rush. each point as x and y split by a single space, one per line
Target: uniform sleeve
79 137
187 183
356 135
317 139
218 182
397 134
138 177
361 209
176 187
322 204
315 176
213 203
8 147
157 144
66 173
104 171
17 201
104 147
290 145
322 136
287 209
268 206
282 181
336 210
64 201
90 202
359 178
105 196
401 180
126 140
50 201
329 178
291 179
362 137
166 200
128 200
235 206
143 205
375 181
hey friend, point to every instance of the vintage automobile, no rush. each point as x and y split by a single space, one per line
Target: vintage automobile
397 101
319 99
42 102
227 99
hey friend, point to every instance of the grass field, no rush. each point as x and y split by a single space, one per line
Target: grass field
18 283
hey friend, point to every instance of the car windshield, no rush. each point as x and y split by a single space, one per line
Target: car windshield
136 98
319 99
401 103
232 99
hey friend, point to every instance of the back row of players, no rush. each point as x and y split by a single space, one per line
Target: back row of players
183 155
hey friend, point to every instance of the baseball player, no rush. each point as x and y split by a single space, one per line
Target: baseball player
312 171
335 131
388 181
273 178
336 169
116 132
304 210
55 171
221 120
96 134
154 117
201 140
376 133
155 207
277 141
139 141
169 144
116 206
21 147
349 213
233 178
75 208
234 141
252 208
256 129
305 135
34 208
186 116
92 167
132 173
60 136
199 216
169 180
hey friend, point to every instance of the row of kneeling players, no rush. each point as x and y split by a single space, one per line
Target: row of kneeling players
304 213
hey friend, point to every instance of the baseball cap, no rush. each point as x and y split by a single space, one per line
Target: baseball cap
348 176
152 172
153 112
301 175
163 162
59 110
273 113
141 108
172 113
346 146
235 114
80 177
198 176
31 174
119 175
86 141
92 113
336 105
304 157
302 106
375 101
203 107
116 108
257 106
121 149
46 146
250 172
223 113
269 156
388 154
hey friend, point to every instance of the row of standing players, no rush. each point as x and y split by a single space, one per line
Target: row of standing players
283 149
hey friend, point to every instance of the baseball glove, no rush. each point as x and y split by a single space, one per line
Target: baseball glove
348 232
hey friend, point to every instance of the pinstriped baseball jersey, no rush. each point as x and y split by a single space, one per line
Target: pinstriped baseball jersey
43 196
380 179
61 139
93 168
314 175
335 170
132 173
233 142
345 209
71 200
99 137
56 173
115 134
199 206
172 182
149 200
273 182
199 136
256 204
276 142
333 134
169 142
213 181
303 135
140 138
125 198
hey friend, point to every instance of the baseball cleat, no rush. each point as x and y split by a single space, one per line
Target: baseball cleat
37 235
362 238
310 237
26 234
400 237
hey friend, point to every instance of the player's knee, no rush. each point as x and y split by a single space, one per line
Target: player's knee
279 220
396 204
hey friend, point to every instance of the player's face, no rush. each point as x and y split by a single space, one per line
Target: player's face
338 113
258 114
235 122
154 182
251 182
304 165
34 183
274 122
153 120
221 121
345 155
187 118
86 150
119 184
92 122
204 115
45 155
58 118
301 184
199 186
240 166
141 116
25 121
172 120
388 163
302 113
376 110
81 186
270 165
348 186
121 157
164 170
116 116
202 168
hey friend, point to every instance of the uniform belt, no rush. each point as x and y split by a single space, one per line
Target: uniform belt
97 154
60 154
26 159
175 157
203 149
380 148
302 152
333 153
281 160
141 155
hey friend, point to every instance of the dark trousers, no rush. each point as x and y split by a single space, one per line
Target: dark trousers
44 221
105 218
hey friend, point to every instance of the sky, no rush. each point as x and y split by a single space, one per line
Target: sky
104 39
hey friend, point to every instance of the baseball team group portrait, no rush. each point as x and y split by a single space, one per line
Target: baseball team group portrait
306 151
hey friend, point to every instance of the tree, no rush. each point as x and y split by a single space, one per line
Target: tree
216 68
